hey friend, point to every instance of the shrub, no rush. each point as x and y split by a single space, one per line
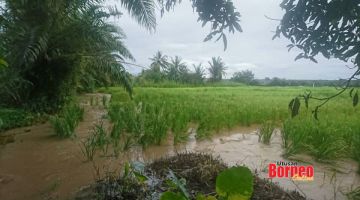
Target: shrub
13 118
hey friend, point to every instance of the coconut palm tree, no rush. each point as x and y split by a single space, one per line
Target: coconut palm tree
217 69
159 62
199 71
176 69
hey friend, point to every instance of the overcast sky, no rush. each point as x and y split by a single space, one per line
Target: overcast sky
178 33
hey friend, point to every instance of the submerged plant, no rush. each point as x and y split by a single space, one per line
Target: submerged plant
104 100
97 140
356 149
266 131
65 123
88 148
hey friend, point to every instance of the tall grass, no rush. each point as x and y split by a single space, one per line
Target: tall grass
65 123
154 113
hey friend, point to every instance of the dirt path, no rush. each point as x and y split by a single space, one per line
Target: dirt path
38 165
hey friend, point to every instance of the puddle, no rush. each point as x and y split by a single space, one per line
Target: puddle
40 166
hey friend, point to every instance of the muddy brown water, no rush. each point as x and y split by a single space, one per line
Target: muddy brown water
40 166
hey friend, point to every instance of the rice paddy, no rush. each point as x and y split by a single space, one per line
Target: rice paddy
155 113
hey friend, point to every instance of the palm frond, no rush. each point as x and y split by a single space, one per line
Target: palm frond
143 11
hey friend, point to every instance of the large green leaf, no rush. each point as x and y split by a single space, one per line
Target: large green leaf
3 63
235 183
172 196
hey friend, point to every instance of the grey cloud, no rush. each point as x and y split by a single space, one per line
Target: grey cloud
178 33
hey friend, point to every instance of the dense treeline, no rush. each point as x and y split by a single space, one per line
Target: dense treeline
164 68
171 72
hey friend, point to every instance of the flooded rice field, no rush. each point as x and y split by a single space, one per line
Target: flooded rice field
40 166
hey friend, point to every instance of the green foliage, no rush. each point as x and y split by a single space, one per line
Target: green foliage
49 53
97 140
102 139
56 47
314 32
217 109
177 184
203 197
221 14
354 194
67 120
143 122
161 70
266 131
13 118
3 63
172 196
88 148
235 183
245 76
217 69
322 139
294 106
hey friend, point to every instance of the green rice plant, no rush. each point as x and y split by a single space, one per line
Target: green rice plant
354 194
120 140
293 139
97 140
155 112
266 131
61 127
88 148
324 145
65 123
91 101
155 124
104 100
101 138
356 148
317 138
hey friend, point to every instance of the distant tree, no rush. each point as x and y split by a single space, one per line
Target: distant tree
176 69
278 82
199 72
245 76
159 62
157 68
217 69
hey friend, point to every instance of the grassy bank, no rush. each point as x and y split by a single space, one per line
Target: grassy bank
12 118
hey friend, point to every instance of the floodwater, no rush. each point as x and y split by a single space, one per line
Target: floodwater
40 166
